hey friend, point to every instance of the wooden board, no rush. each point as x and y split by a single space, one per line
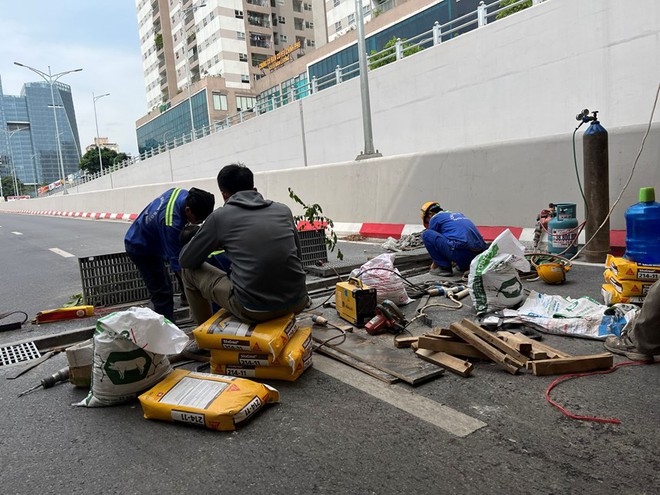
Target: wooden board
402 342
519 359
398 362
358 365
450 347
455 365
573 364
539 346
494 354
522 347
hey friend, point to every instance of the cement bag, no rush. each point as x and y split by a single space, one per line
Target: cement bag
262 372
224 331
130 355
298 348
378 272
494 282
202 399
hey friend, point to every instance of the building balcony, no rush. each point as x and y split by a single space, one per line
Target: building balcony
259 3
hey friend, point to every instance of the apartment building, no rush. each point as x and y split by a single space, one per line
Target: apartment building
201 58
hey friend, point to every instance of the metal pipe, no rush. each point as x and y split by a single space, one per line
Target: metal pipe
96 121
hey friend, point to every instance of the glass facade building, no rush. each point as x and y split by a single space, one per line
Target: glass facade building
28 139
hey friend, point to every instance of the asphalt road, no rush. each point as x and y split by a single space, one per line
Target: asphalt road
335 431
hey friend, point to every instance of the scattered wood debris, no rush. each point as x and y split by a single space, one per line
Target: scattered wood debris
511 351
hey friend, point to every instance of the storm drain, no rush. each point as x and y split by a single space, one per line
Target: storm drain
18 353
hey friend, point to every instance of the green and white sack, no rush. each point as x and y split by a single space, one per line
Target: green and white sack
130 355
494 282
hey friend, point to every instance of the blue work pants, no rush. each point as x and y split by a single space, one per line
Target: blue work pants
157 279
443 251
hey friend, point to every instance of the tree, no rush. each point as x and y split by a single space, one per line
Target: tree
387 55
512 10
8 187
90 160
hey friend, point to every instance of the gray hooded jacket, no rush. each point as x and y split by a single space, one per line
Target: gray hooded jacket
261 240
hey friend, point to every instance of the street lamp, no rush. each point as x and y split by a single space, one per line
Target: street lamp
11 157
96 120
51 79
184 13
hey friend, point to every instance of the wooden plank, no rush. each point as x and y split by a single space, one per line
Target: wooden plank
399 363
455 365
522 347
450 347
358 365
573 364
443 332
402 342
494 354
540 346
509 350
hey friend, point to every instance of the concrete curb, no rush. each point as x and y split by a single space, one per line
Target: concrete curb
368 230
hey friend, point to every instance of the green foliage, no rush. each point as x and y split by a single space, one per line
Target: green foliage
388 54
314 213
159 40
512 10
8 187
90 160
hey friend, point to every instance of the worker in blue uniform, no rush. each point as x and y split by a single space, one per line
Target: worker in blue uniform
450 237
153 238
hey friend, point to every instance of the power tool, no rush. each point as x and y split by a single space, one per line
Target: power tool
355 302
388 318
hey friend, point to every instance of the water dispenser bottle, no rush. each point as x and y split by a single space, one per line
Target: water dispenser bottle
643 229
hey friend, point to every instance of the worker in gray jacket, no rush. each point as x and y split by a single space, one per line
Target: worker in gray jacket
267 279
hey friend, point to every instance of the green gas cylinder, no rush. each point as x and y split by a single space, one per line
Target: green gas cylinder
562 230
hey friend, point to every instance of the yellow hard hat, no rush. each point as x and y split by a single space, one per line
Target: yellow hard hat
552 273
427 206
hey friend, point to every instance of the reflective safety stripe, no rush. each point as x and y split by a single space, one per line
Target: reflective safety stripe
216 252
169 209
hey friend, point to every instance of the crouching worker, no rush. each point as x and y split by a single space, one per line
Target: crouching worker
449 238
154 237
267 279
642 343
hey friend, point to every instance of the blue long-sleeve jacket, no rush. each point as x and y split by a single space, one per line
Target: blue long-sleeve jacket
155 232
459 229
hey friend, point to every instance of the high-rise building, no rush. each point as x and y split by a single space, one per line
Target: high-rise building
28 139
201 58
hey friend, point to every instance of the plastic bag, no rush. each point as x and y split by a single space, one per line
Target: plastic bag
379 273
494 282
130 355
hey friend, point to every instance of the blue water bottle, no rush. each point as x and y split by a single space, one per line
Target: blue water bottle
643 229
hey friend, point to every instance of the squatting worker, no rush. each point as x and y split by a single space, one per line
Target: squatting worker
154 237
449 237
267 279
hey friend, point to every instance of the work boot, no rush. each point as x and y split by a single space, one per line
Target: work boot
441 271
183 300
626 347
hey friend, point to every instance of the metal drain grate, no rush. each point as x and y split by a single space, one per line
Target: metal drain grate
18 353
113 279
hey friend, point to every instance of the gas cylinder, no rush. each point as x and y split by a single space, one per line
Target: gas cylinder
643 229
562 230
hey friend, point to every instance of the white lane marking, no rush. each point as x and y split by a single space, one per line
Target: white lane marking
17 233
64 254
448 419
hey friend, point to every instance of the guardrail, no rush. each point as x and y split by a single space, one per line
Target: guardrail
438 34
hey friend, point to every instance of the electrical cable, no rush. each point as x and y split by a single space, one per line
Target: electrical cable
563 378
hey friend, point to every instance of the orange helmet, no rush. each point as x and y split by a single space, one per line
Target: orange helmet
429 207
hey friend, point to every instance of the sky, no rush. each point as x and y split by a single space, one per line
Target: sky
99 36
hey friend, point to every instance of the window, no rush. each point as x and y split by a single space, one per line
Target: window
244 103
238 14
242 57
219 101
307 6
351 19
281 20
309 25
245 78
311 43
240 35
337 25
366 10
336 3
284 38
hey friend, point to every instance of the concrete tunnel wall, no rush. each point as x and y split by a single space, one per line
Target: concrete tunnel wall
482 123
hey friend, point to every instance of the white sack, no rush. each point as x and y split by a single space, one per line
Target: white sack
379 272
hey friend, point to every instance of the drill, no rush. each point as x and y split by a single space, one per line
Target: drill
50 381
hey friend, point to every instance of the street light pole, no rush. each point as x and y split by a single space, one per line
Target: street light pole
11 157
96 121
184 13
51 79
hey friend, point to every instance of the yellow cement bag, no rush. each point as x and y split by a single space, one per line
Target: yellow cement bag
202 399
262 372
611 296
298 348
628 288
624 269
224 331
